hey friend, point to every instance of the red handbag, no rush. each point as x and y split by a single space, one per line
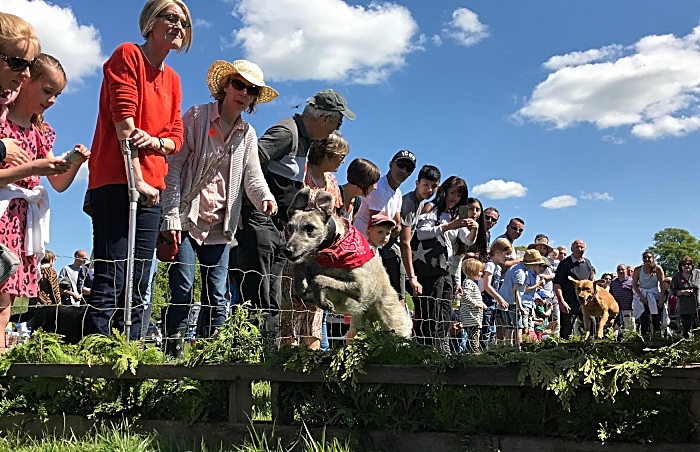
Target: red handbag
165 252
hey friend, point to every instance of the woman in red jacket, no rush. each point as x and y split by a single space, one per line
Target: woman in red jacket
139 101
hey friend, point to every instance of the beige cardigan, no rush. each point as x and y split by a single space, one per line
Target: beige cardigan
186 168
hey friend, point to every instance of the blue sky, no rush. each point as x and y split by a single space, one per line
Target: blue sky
533 103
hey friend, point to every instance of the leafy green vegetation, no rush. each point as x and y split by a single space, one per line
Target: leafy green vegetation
573 389
120 438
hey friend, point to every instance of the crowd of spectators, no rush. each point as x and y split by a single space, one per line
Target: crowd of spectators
216 195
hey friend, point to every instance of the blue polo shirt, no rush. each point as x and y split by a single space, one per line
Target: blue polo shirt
517 274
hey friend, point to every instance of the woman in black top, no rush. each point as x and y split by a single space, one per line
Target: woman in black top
685 285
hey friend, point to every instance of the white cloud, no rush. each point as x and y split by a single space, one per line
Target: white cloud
653 87
202 23
559 202
595 196
465 27
611 138
332 41
579 58
499 189
437 40
76 46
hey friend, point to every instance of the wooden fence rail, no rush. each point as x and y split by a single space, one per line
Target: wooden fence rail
241 376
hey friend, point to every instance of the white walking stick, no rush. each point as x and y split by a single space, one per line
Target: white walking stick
128 146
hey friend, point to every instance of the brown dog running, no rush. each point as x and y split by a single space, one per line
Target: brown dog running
595 302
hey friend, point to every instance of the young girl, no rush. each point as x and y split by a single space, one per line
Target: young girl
19 46
471 311
489 284
20 196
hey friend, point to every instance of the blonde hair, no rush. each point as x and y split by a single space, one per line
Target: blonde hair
334 145
14 30
501 245
149 15
472 267
43 65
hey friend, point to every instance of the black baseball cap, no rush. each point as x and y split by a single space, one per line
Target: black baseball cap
405 155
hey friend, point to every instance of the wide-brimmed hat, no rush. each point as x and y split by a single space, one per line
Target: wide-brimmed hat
331 100
220 70
541 242
533 257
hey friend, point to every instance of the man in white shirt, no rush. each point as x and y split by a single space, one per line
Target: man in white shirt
71 271
386 198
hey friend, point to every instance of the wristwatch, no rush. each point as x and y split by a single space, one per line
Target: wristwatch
162 143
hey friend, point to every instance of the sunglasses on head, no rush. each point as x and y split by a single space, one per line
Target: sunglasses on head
240 86
405 166
175 19
16 64
517 229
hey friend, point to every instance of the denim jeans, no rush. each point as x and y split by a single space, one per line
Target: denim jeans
213 266
110 226
488 328
147 305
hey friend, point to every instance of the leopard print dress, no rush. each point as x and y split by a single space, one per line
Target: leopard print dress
13 223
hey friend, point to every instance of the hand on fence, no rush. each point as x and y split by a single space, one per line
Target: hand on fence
416 286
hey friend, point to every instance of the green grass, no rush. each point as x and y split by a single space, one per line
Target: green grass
120 439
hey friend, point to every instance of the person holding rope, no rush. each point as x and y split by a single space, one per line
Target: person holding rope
140 108
204 193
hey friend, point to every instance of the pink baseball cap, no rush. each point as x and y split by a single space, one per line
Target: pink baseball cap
380 218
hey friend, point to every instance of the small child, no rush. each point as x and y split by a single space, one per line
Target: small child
379 230
49 291
472 307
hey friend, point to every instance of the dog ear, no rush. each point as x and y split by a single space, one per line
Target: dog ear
574 280
324 203
300 201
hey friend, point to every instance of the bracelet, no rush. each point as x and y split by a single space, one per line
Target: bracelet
161 143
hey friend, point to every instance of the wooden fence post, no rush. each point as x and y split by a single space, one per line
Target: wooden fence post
240 402
282 414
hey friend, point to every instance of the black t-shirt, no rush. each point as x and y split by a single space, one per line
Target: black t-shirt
578 270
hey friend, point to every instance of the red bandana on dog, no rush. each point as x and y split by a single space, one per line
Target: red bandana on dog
349 251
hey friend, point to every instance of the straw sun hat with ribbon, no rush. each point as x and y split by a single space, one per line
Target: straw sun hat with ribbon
220 70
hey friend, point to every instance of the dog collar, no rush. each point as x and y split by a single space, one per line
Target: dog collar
330 235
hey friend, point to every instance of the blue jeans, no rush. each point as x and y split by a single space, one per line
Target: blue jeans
213 266
110 226
488 327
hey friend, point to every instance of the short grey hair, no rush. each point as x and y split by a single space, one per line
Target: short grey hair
313 113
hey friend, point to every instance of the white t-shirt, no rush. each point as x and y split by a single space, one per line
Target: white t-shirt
382 199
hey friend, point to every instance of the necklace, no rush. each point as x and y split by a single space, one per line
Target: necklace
159 68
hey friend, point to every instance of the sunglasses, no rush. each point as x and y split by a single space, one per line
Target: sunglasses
517 229
338 121
405 166
17 64
684 264
238 85
175 19
490 219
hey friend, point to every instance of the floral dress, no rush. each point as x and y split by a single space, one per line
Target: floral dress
13 223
